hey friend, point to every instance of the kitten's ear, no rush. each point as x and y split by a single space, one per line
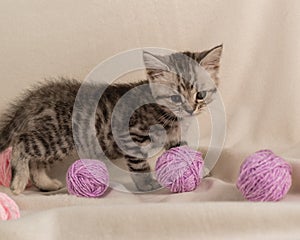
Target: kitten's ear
154 62
210 61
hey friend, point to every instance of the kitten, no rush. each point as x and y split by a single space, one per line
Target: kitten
39 126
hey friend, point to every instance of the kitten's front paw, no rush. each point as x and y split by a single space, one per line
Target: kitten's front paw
155 185
148 186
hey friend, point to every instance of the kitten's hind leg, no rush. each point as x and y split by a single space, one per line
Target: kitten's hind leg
41 179
140 174
19 170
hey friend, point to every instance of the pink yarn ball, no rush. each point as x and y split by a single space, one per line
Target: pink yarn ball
8 208
264 177
179 169
5 171
87 178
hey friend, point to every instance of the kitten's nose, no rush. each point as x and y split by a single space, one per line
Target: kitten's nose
190 111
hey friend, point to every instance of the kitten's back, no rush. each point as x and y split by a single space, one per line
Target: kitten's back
33 102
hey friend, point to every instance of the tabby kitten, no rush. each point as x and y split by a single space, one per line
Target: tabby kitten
40 130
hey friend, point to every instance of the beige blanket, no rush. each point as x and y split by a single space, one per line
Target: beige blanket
260 85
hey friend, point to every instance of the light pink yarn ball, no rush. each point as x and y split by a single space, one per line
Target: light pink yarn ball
5 171
264 177
179 169
8 208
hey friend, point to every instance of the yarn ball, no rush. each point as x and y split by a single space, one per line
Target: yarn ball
179 169
8 208
87 178
5 171
264 177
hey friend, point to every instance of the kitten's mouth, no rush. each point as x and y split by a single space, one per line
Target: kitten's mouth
192 113
185 114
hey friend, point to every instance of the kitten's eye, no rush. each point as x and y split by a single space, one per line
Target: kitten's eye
176 98
201 95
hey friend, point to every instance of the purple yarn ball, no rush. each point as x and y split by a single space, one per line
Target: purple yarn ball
264 177
179 169
87 178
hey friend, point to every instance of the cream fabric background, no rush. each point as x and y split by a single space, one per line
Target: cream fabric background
260 83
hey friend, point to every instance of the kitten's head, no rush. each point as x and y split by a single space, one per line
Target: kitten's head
184 82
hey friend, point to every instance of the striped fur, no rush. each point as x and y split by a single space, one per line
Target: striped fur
39 126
